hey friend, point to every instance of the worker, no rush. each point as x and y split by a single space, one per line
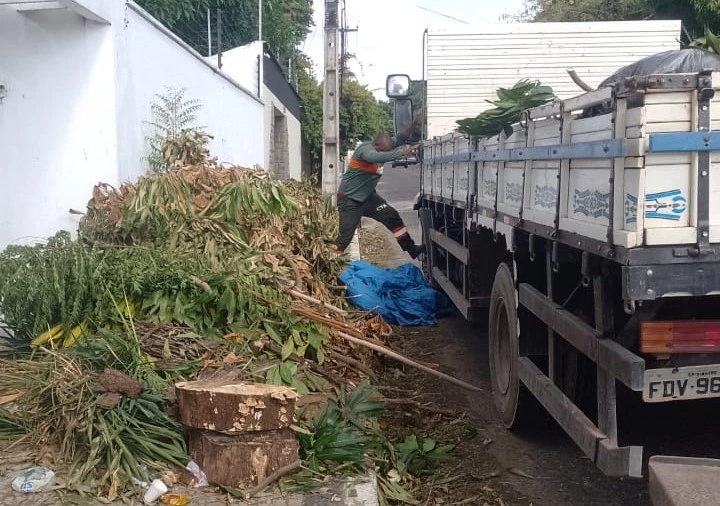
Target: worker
357 196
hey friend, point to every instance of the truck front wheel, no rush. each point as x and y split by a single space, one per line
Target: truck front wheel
504 347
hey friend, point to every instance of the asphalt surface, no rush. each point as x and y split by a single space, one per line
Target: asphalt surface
399 187
553 471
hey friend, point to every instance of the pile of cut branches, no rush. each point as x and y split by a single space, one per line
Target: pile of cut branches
221 214
181 275
101 426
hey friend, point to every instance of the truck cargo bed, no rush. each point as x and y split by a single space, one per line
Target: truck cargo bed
625 173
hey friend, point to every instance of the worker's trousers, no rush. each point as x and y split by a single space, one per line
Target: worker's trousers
375 207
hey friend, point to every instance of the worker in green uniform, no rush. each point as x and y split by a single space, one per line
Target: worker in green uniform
357 196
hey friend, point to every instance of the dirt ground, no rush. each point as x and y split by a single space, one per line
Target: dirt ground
429 407
540 466
438 410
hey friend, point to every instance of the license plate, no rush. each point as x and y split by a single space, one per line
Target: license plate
682 383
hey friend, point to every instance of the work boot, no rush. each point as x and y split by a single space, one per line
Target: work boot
416 250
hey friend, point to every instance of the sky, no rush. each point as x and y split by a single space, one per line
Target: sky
390 32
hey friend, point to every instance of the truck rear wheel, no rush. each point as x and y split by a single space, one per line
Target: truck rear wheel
509 395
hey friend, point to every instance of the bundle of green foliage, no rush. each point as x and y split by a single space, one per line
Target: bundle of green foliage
709 42
213 250
511 103
105 429
346 432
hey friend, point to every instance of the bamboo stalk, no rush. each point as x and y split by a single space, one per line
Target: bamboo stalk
407 361
320 318
307 298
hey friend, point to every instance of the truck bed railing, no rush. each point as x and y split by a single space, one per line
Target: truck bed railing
617 169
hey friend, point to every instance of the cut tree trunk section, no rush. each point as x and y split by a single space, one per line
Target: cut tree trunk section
235 407
244 460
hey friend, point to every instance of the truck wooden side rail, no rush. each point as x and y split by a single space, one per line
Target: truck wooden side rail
592 236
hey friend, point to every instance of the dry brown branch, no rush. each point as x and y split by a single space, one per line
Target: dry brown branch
313 300
418 405
355 364
273 478
325 320
577 80
410 362
202 284
293 266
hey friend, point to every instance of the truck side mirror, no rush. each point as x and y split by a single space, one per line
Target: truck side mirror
405 129
397 86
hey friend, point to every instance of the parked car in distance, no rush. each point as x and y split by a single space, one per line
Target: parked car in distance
405 161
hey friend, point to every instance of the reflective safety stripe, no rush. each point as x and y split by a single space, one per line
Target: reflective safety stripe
400 232
365 166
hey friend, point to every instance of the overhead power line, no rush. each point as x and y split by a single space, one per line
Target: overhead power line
441 14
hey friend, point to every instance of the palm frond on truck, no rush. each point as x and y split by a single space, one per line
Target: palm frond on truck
508 109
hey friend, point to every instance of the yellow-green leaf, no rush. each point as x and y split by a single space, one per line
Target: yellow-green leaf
287 349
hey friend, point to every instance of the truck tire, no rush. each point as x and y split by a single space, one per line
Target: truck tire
509 396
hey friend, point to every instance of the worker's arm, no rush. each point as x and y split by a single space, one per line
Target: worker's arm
370 155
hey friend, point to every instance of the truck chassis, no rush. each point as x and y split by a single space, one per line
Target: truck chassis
557 232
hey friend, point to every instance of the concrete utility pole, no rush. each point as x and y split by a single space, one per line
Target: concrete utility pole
209 34
331 104
219 37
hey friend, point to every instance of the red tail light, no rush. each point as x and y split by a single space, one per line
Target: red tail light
680 337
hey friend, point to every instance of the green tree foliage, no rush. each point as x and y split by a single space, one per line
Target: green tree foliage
695 14
710 42
417 95
311 100
708 13
176 135
361 115
592 10
286 23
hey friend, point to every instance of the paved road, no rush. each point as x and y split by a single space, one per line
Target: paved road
398 186
562 475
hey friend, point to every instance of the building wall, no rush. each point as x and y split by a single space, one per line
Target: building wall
464 69
292 133
57 125
242 64
295 143
151 59
78 98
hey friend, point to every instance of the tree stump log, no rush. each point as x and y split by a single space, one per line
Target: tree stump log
244 460
235 407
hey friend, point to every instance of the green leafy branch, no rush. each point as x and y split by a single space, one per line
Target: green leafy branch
508 110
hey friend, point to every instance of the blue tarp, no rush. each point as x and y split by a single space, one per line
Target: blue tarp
400 295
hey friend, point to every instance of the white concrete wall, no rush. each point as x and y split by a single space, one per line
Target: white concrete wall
241 64
295 143
80 83
244 64
149 60
294 134
57 124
